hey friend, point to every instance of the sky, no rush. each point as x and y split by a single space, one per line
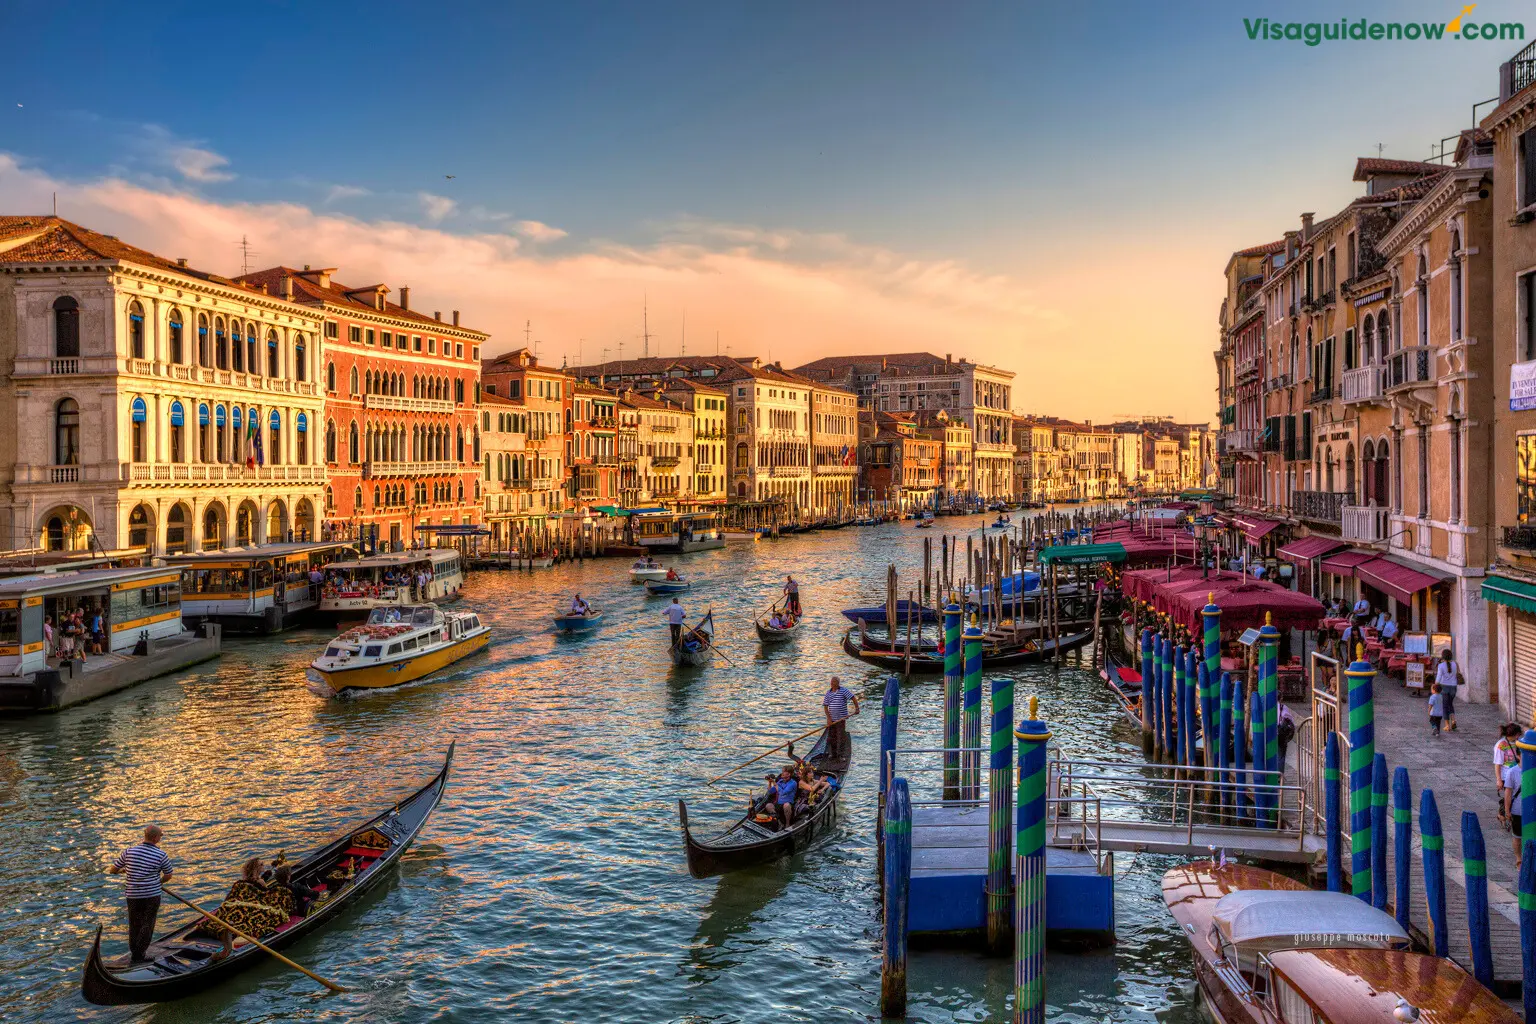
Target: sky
1053 189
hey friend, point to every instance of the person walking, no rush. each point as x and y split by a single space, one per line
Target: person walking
1505 755
835 704
1448 675
1436 709
148 868
675 616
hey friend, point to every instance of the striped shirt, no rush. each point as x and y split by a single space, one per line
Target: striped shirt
144 864
836 702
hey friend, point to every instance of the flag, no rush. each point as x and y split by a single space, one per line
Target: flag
847 455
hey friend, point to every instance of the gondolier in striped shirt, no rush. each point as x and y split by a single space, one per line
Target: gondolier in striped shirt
148 868
835 704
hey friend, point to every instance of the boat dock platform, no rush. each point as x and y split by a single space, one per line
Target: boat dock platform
75 682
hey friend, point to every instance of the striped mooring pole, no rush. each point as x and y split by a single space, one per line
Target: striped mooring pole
898 880
1223 733
1180 720
952 677
889 711
1266 748
1402 844
970 726
1146 690
1256 773
1239 754
1527 903
1000 827
1331 801
1379 840
1433 842
1362 755
1526 744
1029 903
1211 618
1152 693
1170 751
1474 862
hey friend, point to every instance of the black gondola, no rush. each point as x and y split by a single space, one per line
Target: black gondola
747 843
184 962
1124 681
930 661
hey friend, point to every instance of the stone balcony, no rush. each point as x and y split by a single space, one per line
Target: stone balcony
1366 524
1362 384
405 404
201 473
1409 367
383 469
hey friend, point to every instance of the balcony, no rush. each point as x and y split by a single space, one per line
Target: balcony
1366 524
1325 393
1409 367
663 461
1247 368
405 404
1362 385
663 428
1522 72
1521 538
788 471
1276 383
1241 439
1320 506
214 473
381 469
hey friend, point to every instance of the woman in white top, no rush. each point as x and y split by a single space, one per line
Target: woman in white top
1448 675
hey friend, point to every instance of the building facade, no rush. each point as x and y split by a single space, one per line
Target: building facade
546 392
592 446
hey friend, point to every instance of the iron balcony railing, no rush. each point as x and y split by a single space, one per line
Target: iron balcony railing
1522 69
1320 506
1410 367
1522 537
1321 394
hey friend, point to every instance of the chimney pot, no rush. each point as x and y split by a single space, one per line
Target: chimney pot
437 314
306 266
181 261
287 287
405 297
455 318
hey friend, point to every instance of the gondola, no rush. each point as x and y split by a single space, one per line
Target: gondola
747 843
770 635
1124 681
183 962
698 644
658 587
929 660
874 615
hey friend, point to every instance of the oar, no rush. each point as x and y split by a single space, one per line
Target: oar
765 753
254 941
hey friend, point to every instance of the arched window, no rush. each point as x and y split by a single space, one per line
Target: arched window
275 449
138 414
459 445
330 377
176 530
66 433
301 438
220 419
1368 341
252 353
357 499
204 441
330 441
352 446
220 344
1384 334
202 340
330 499
274 358
236 436
1455 260
136 330
213 529
177 348
236 347
376 496
138 527
352 389
300 371
66 328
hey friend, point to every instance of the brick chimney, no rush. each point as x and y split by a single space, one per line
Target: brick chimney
1306 227
405 296
455 318
437 314
287 287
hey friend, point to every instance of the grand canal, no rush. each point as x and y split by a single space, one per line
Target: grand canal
550 885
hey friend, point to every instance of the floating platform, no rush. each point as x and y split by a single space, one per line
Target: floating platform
75 682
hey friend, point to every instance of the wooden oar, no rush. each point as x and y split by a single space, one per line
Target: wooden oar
765 753
254 941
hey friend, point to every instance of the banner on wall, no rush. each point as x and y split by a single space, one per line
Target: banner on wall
1522 386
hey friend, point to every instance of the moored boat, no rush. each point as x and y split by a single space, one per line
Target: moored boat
665 586
749 841
187 960
397 645
740 536
926 658
698 644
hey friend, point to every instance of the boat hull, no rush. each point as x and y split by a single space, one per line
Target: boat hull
578 623
641 575
666 586
375 677
769 635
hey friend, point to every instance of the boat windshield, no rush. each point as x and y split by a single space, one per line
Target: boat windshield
422 616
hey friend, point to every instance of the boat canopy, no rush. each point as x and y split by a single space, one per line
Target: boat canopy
1263 920
1082 554
412 615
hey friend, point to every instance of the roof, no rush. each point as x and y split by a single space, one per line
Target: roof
513 360
395 558
48 239
1368 167
1267 249
685 384
335 294
486 398
1416 189
887 359
583 388
259 551
636 400
1310 547
81 579
1290 918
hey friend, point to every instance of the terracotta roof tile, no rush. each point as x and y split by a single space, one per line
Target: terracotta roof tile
337 294
60 241
1368 166
1267 249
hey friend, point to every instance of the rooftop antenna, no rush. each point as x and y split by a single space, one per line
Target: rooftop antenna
246 252
55 204
645 320
1379 147
685 334
578 350
527 333
717 343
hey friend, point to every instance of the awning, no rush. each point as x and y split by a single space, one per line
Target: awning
1510 593
1310 547
1343 563
1082 554
454 530
1254 528
1394 578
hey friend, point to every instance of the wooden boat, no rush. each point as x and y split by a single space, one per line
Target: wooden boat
645 569
579 623
665 586
1124 681
747 842
397 645
771 635
184 961
929 660
874 615
1268 950
698 644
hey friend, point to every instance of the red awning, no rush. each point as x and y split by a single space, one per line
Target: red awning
1343 563
1394 578
1256 529
1310 547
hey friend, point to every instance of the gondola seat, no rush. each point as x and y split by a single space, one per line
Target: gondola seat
279 898
253 918
1129 675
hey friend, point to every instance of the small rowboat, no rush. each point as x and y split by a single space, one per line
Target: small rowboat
642 571
579 623
771 635
698 644
747 842
665 586
184 961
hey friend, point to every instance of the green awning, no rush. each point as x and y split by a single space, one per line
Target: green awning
608 510
1511 593
1082 554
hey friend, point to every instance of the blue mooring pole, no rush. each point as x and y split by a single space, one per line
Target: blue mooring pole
1180 719
953 672
1474 858
898 880
1402 842
1331 812
1434 872
1188 712
1029 901
1379 832
1223 732
1239 755
1362 754
1000 824
889 711
1256 773
1146 689
1169 734
1527 904
1152 691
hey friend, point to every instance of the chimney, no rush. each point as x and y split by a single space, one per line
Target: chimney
405 297
287 287
948 358
1306 227
181 261
437 314
455 318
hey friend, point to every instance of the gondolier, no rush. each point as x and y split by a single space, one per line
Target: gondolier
835 704
147 868
792 593
675 616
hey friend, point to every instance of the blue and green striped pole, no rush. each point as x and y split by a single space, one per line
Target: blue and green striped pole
1362 754
1190 711
1474 862
1180 721
1170 750
1331 822
1527 902
1256 774
952 676
898 878
1029 905
1211 617
1434 872
1402 842
1266 750
1379 839
1000 828
1223 733
970 730
1239 754
1147 708
1527 746
1152 693
888 721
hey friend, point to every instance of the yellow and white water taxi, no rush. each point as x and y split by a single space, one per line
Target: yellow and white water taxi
396 645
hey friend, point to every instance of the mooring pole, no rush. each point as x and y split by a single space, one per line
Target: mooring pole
1029 923
1474 859
1331 802
1362 754
1266 747
1000 832
1379 840
1434 872
952 680
970 734
898 879
1402 843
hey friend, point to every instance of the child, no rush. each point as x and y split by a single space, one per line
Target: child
1512 806
1436 709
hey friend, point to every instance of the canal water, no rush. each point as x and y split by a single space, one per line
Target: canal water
550 885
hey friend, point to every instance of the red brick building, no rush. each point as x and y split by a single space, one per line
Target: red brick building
546 393
400 438
593 454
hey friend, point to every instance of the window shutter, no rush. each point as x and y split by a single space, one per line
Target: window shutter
1290 438
1349 348
1528 159
1306 435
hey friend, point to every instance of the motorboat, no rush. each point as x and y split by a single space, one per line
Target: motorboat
657 588
396 645
647 569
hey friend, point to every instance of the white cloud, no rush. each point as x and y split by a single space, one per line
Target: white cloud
537 231
200 165
339 192
436 207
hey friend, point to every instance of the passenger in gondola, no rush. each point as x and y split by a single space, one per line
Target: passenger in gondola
303 895
776 620
579 607
812 785
785 789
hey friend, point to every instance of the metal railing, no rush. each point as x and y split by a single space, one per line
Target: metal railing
1408 367
1522 70
1522 538
1320 506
